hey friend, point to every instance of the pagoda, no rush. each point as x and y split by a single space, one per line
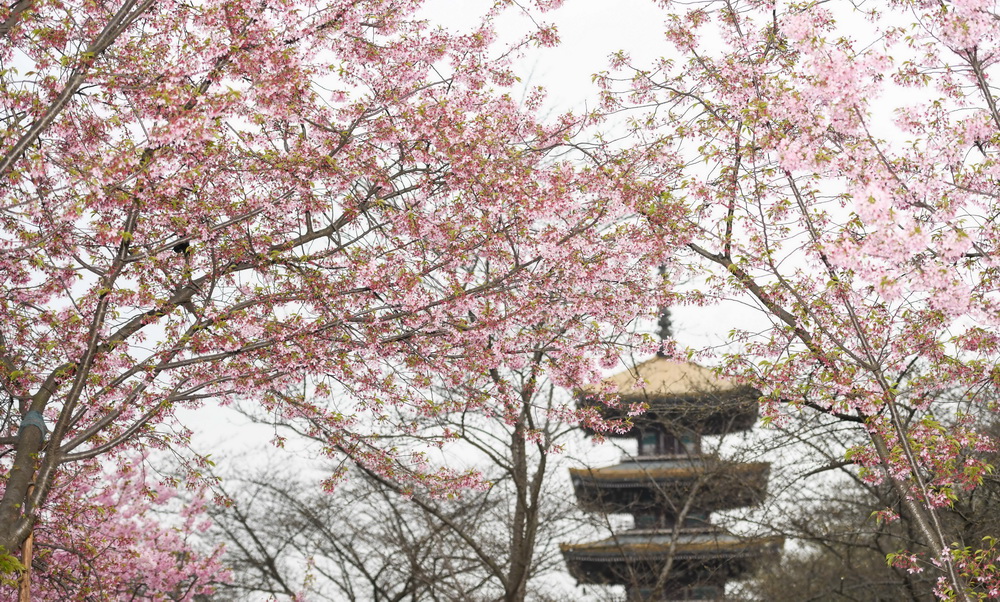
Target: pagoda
671 487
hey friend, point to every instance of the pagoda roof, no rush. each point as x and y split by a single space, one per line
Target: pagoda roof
656 543
703 555
667 377
679 395
645 484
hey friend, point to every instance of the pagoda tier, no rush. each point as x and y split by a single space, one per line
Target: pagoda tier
705 558
664 484
679 396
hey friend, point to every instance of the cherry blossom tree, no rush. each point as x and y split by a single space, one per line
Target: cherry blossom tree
838 520
327 209
108 542
840 165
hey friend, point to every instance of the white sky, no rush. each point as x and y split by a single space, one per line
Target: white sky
590 30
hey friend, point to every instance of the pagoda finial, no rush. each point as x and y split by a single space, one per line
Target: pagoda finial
665 330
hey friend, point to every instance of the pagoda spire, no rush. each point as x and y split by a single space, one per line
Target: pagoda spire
664 326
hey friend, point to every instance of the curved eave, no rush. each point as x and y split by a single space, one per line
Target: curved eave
706 412
680 394
635 474
608 550
638 486
635 562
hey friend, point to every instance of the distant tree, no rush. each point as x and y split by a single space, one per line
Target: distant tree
377 538
362 542
845 528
